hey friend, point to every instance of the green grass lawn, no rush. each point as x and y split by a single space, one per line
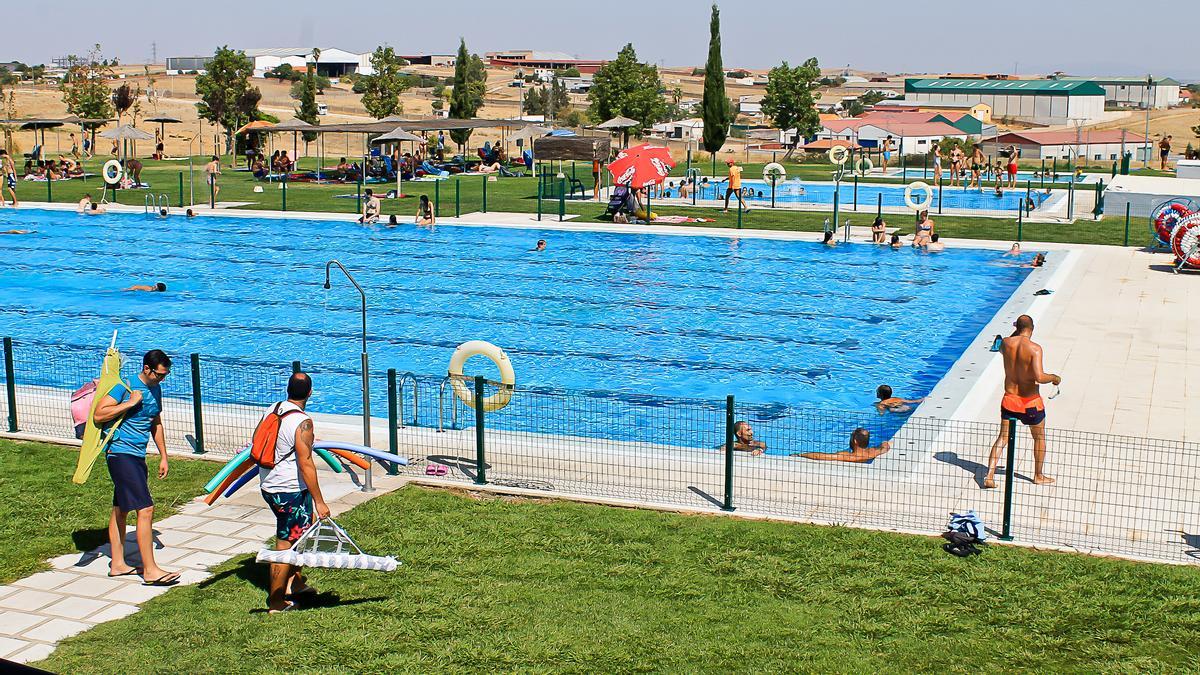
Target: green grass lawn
45 514
520 195
503 584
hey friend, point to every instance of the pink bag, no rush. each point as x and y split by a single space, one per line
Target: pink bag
81 406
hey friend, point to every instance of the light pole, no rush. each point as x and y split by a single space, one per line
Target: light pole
1149 101
366 382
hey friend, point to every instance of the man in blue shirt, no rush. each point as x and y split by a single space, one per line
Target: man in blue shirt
138 409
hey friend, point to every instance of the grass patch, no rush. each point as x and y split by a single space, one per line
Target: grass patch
501 584
520 195
46 515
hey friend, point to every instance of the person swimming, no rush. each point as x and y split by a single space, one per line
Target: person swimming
829 240
889 403
540 246
896 243
163 213
1038 261
190 213
860 451
1015 249
158 287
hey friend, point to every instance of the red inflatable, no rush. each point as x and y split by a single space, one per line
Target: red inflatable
1186 239
1166 221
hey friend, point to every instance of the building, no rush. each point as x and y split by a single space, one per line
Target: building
685 130
1133 92
577 85
533 59
333 63
750 106
441 60
1095 145
909 136
178 65
980 111
1036 101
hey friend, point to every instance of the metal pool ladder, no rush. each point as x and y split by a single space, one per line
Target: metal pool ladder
405 377
454 403
152 204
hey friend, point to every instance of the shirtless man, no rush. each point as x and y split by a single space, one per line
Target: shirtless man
860 451
8 173
743 439
1022 398
212 170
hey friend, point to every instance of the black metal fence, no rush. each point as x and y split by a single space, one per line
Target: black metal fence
1114 495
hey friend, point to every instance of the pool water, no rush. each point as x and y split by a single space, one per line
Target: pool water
783 325
866 195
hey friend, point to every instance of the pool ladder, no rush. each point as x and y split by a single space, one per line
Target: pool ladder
155 204
454 404
406 377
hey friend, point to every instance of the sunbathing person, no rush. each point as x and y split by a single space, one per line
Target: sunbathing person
159 287
859 452
489 168
889 403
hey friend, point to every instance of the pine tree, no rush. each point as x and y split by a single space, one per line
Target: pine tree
715 103
307 111
470 78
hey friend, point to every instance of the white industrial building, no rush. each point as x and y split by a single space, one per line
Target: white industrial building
1137 92
1048 102
908 138
1070 144
333 62
688 130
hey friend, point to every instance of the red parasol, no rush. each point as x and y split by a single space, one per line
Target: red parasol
642 165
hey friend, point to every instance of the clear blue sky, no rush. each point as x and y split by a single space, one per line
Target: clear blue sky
1082 37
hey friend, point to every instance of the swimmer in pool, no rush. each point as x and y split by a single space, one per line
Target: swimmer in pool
190 213
159 287
934 245
829 241
896 243
17 232
95 209
163 213
889 403
859 452
1014 250
743 439
1038 261
541 246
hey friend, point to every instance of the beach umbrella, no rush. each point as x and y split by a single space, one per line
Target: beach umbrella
163 121
125 132
253 126
641 165
619 123
43 125
529 133
397 135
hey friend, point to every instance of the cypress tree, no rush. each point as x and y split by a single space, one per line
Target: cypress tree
715 103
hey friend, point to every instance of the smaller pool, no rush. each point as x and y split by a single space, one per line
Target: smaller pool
1061 178
868 195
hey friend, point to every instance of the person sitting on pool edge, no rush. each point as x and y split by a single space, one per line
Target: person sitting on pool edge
743 439
86 202
425 217
860 451
889 403
829 241
370 213
158 287
879 231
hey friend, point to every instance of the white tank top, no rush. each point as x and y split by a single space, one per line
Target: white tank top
285 477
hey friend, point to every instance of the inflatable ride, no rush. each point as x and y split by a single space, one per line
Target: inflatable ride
1166 216
1185 242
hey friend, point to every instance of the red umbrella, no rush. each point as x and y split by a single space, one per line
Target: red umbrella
640 166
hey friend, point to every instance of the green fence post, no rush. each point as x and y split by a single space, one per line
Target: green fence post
393 413
1127 205
1009 470
480 462
485 182
903 166
181 189
212 195
283 190
10 385
358 195
1070 200
1053 169
836 202
739 214
562 200
1043 174
714 165
197 407
856 192
437 199
879 205
728 505
925 167
457 198
941 189
1098 210
49 191
1020 222
539 198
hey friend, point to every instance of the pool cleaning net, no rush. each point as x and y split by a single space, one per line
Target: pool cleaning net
313 549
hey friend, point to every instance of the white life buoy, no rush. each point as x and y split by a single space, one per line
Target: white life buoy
112 172
925 201
466 394
774 173
863 166
838 154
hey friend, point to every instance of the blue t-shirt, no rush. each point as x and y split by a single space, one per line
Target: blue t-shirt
132 437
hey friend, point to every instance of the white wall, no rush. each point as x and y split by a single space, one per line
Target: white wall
1135 95
1036 108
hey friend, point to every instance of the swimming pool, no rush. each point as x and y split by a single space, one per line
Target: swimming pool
782 325
867 195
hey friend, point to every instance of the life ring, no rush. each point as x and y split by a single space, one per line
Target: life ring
1186 238
863 166
838 154
1168 217
913 187
466 394
774 173
112 172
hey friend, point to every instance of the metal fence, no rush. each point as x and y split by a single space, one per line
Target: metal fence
1112 495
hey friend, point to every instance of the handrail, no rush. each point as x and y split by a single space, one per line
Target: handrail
441 404
147 202
400 395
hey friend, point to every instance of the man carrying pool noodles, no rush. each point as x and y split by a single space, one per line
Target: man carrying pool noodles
291 490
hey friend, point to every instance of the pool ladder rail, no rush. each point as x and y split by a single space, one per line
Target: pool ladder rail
454 403
153 204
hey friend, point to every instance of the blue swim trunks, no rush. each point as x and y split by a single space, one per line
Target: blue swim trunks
293 513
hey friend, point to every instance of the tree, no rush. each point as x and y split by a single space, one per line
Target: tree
84 90
715 103
7 78
9 126
307 110
789 100
226 97
122 98
573 118
557 98
535 101
381 90
470 84
283 71
855 108
628 88
570 72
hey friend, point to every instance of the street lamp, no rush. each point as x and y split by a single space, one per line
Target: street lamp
1149 102
366 383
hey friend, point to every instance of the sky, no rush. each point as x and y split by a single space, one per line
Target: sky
1092 37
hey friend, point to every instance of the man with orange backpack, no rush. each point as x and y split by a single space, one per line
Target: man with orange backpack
282 448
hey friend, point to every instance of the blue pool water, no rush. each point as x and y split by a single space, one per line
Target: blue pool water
805 192
782 325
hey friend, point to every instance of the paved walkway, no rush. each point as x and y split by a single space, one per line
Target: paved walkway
39 611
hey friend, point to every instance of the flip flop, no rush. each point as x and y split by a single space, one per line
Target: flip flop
168 579
307 590
286 608
132 571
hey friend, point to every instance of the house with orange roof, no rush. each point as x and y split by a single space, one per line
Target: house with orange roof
1094 144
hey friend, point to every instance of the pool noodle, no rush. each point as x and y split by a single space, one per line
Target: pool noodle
352 458
250 473
227 469
329 459
369 452
229 479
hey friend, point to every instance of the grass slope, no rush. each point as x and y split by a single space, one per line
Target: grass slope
497 584
45 514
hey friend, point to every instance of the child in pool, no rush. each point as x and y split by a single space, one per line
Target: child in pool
889 403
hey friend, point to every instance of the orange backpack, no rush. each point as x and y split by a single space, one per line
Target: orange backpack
266 434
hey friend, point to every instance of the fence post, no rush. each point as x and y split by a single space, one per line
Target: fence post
728 505
437 199
393 408
837 192
197 406
480 462
539 198
181 189
1127 205
879 205
739 213
1020 222
856 193
562 200
359 184
283 189
485 182
295 367
457 198
49 191
1009 470
10 385
1070 200
941 189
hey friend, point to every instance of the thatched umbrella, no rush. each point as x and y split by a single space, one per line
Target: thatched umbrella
123 133
163 121
43 125
622 124
398 135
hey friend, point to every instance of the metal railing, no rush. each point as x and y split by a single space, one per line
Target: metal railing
1115 495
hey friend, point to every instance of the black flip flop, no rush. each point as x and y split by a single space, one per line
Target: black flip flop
168 579
131 572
